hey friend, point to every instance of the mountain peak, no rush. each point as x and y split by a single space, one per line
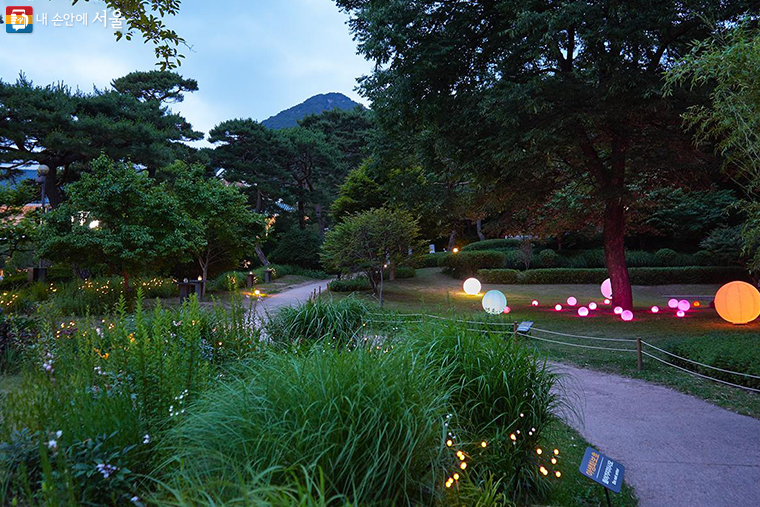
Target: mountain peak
313 105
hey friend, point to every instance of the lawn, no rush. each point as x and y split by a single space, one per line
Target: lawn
433 292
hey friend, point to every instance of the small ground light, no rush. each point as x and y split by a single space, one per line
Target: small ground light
680 314
556 452
571 301
558 308
655 309
592 306
607 302
618 310
684 305
583 311
449 443
534 303
257 292
456 250
627 315
463 465
673 303
483 444
507 309
558 474
697 304
539 451
456 477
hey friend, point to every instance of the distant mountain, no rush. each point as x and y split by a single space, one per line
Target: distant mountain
314 105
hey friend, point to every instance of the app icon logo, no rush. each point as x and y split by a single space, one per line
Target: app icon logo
18 19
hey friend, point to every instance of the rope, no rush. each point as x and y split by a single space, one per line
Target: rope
575 344
626 340
700 375
700 364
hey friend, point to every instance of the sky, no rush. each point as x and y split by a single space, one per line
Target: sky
251 58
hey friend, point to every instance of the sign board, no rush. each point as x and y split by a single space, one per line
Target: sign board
524 327
599 468
432 248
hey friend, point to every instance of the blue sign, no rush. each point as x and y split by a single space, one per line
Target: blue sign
599 468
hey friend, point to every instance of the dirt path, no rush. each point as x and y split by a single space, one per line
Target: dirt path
290 297
679 451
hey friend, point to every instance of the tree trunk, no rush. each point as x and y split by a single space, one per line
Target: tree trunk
320 220
381 288
479 228
125 275
301 214
452 239
614 253
52 191
259 201
261 256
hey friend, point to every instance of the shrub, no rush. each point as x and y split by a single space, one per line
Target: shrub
13 281
706 258
298 247
563 275
372 420
666 257
358 283
740 354
492 244
318 320
402 272
638 276
638 259
466 264
499 276
548 258
433 260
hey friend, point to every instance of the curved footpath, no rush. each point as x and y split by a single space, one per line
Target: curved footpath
679 451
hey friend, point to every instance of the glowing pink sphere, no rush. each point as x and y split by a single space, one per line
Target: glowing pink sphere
571 301
534 302
684 305
673 303
592 306
558 308
627 315
655 309
618 310
583 311
681 313
607 301
507 309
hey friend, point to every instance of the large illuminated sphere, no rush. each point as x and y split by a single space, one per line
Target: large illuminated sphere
684 305
494 302
673 303
583 311
655 309
618 310
472 286
627 315
738 302
558 308
592 306
607 288
534 302
571 301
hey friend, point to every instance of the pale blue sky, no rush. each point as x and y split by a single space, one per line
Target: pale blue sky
252 58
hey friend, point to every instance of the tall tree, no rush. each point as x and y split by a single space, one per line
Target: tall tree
348 131
66 130
511 91
118 217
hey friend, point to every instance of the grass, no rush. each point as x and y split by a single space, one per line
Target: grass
433 292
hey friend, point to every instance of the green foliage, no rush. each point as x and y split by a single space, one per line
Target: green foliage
548 258
740 354
466 264
320 320
348 130
403 272
500 276
97 394
365 242
359 192
16 234
356 284
639 276
666 257
140 223
492 244
298 247
433 260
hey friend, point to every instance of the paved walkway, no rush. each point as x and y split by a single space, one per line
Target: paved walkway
291 297
679 451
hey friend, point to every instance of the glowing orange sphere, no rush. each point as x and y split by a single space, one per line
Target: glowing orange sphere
738 302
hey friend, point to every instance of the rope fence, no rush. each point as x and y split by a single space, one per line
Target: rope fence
639 344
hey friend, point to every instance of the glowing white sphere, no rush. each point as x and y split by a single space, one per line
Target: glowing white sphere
571 301
534 302
494 302
607 302
673 303
627 315
472 286
684 305
681 313
607 288
618 310
655 309
558 308
592 306
583 311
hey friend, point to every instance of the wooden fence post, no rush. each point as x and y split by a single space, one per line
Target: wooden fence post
639 355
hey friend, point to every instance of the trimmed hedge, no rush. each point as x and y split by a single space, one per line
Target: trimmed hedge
468 263
402 272
432 260
358 283
492 244
639 276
